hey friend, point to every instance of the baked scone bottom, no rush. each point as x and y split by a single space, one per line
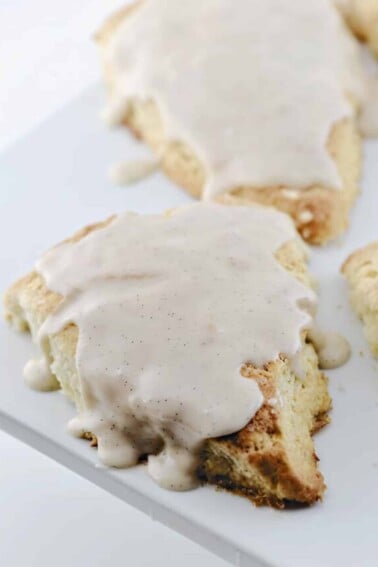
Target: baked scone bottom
361 272
272 460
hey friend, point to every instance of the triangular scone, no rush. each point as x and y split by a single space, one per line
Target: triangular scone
271 460
319 211
361 271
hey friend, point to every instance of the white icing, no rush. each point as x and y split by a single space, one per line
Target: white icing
332 349
128 172
169 309
75 427
38 376
254 87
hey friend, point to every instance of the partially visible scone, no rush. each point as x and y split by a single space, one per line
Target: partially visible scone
272 460
362 17
361 271
320 213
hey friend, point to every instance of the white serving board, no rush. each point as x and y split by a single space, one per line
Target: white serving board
55 181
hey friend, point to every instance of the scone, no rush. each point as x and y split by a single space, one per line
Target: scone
149 324
361 271
362 17
167 90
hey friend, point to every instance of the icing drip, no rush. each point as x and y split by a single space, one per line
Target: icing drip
38 376
128 172
333 350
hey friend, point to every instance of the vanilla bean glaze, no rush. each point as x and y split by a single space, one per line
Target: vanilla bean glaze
169 308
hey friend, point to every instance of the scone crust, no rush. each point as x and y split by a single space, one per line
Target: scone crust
361 272
272 460
362 17
320 213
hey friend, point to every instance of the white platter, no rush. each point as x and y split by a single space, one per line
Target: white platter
53 182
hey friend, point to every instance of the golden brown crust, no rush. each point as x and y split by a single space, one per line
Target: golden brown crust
361 272
272 459
113 21
362 18
319 213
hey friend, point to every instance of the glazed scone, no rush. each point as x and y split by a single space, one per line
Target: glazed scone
272 459
319 211
361 272
362 17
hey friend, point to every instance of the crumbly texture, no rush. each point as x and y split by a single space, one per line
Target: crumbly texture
320 213
361 271
362 17
272 460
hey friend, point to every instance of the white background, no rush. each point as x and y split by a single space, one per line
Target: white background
48 515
